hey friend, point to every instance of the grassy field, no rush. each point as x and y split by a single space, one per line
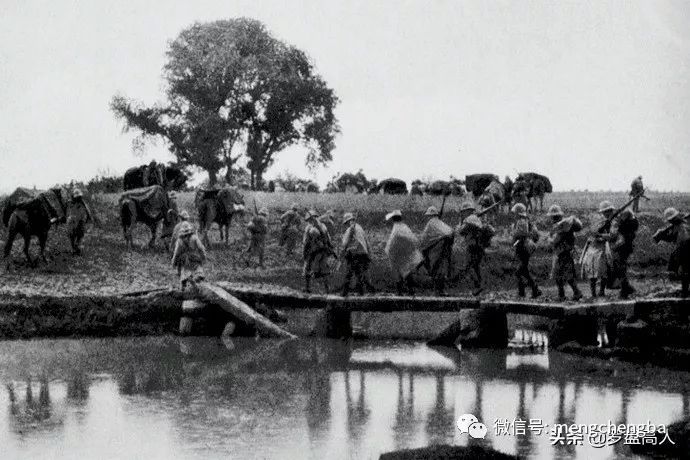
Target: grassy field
108 267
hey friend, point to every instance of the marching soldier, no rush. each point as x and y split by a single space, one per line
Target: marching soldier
524 237
437 249
189 256
623 234
636 190
78 216
182 218
402 249
477 236
317 249
562 239
258 228
678 232
355 250
289 229
596 257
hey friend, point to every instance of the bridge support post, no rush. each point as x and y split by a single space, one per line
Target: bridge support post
486 327
582 329
333 323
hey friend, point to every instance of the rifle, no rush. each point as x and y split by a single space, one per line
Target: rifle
615 214
657 235
603 227
484 211
443 204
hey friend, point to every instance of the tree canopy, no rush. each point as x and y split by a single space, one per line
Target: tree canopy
234 89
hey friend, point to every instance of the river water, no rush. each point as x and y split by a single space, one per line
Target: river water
169 397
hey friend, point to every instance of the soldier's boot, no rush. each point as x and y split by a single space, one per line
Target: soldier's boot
577 294
626 289
602 287
536 292
561 291
593 287
307 283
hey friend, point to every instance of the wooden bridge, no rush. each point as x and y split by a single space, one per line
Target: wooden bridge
486 324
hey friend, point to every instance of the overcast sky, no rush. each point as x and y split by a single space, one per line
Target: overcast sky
589 93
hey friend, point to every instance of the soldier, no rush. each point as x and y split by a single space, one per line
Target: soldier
596 257
636 190
355 250
182 218
78 215
477 236
562 239
189 256
524 237
289 229
678 232
402 249
437 249
317 249
623 234
258 228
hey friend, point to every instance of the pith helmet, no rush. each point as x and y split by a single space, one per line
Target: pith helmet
392 214
671 214
311 214
186 229
519 209
184 215
605 206
555 211
77 193
347 217
263 212
431 211
467 206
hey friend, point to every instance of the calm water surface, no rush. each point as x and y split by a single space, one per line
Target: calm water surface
204 398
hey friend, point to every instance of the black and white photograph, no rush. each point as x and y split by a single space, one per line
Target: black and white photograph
347 229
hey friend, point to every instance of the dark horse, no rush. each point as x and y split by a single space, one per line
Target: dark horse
149 206
217 206
168 177
34 217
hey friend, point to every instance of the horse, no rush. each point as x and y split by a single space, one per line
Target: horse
34 218
168 177
147 205
218 206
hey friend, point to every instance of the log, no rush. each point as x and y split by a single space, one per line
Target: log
240 310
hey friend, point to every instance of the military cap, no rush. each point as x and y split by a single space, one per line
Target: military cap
519 209
555 211
347 217
671 214
605 206
186 229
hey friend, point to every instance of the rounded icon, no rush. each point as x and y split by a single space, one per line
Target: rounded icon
477 430
465 421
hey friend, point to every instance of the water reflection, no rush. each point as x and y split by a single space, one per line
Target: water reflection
293 399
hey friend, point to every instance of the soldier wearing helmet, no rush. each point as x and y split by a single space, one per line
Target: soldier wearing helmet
477 236
189 256
78 215
524 237
436 244
678 233
597 259
623 232
289 229
258 229
562 242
